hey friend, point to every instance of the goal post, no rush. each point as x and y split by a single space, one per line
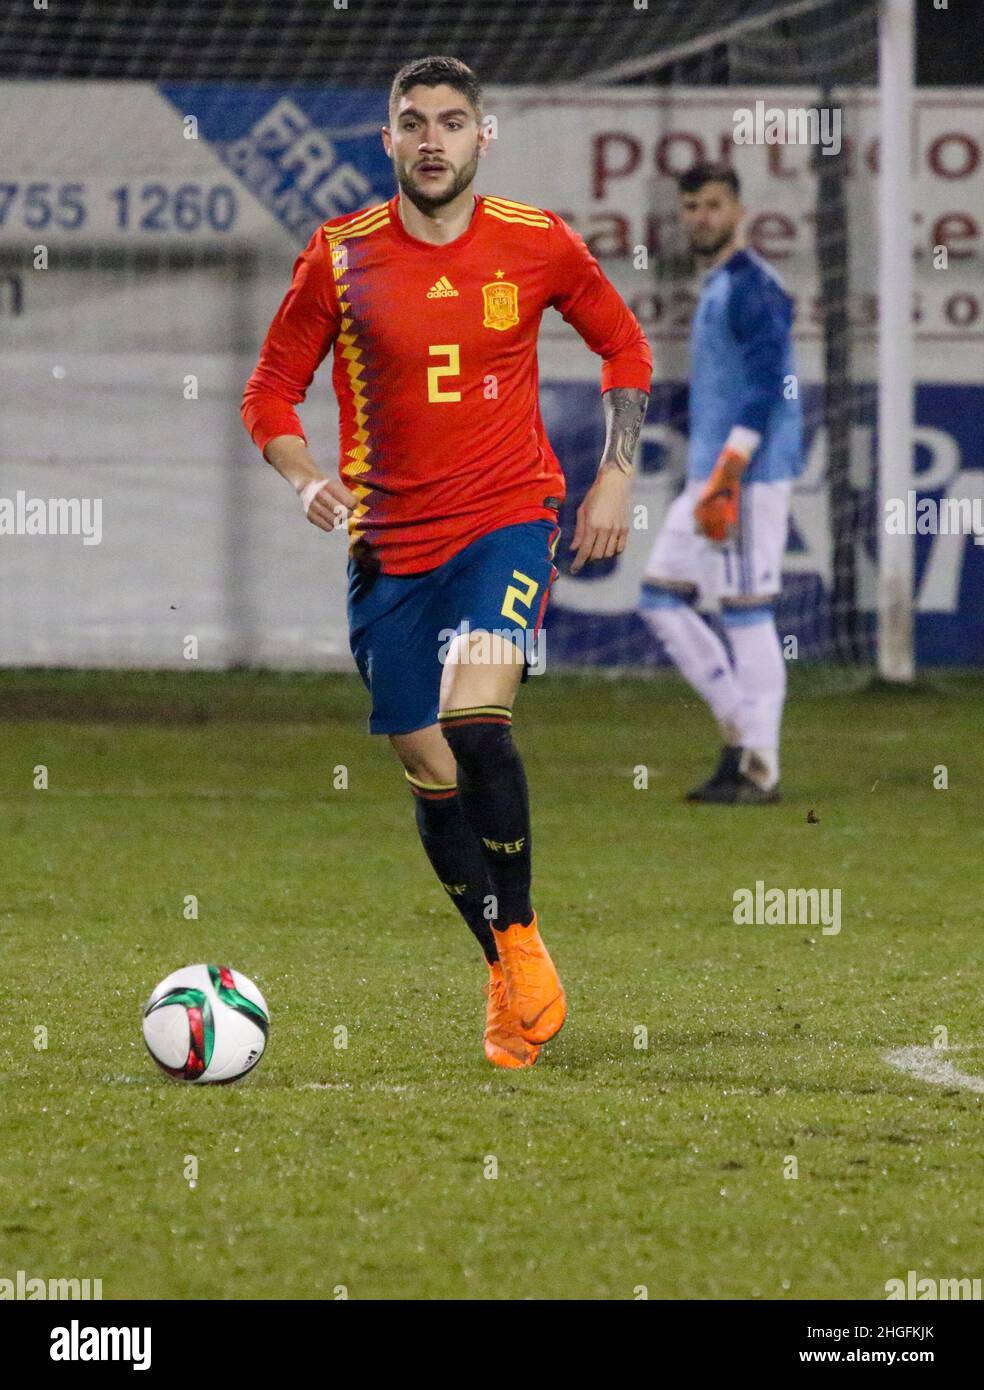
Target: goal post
896 661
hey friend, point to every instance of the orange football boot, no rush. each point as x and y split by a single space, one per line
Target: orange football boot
532 984
504 1046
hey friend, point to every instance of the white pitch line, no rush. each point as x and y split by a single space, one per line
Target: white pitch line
928 1064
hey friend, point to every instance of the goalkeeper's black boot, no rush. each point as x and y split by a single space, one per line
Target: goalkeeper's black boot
740 791
725 774
737 791
749 793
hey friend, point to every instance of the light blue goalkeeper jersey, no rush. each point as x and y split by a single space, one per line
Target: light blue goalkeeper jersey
741 361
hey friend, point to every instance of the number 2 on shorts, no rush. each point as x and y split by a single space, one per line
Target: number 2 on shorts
516 594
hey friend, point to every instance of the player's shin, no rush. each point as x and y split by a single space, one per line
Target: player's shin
494 797
495 801
456 857
760 671
698 654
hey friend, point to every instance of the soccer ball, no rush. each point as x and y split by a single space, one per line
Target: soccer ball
206 1023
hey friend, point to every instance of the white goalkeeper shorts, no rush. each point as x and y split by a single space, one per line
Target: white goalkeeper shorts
749 566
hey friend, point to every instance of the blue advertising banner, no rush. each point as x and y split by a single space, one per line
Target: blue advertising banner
307 154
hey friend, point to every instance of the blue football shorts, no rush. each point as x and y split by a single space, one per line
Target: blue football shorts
401 625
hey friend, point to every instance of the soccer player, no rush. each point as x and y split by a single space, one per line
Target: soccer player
450 490
725 535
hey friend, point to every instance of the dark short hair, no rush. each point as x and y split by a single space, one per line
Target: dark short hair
433 72
700 174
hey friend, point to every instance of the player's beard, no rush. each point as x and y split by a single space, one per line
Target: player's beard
430 202
709 249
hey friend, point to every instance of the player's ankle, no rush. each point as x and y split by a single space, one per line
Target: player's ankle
730 733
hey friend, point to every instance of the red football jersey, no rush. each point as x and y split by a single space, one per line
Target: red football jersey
435 369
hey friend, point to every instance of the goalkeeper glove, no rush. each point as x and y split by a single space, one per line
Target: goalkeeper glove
716 512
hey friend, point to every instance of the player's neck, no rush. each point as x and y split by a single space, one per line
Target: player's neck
441 226
736 243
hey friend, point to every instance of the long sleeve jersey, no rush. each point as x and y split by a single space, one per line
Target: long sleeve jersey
435 369
742 370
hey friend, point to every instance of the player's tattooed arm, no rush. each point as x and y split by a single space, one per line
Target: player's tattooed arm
625 410
602 526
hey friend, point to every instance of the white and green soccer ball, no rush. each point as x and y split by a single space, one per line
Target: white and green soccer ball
206 1023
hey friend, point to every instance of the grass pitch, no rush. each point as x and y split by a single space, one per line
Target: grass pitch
619 1166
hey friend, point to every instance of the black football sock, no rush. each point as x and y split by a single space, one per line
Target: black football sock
495 801
456 857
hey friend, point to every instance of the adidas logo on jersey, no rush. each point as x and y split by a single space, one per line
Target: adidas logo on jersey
442 289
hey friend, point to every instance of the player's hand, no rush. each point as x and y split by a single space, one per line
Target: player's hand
716 512
326 502
602 527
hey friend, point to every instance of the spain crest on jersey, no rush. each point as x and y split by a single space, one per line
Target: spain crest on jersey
501 304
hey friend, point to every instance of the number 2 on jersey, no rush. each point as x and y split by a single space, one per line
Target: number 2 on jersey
451 368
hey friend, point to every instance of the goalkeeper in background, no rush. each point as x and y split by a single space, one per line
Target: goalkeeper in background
725 535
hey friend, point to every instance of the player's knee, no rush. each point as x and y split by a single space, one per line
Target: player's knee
746 612
657 594
476 742
425 758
